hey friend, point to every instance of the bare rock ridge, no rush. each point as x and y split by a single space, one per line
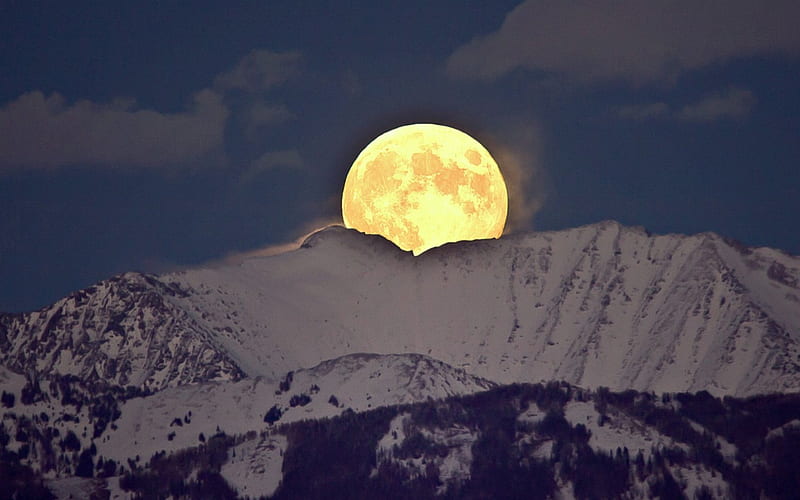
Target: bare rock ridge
596 305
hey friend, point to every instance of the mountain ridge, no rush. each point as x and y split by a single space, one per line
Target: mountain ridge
600 304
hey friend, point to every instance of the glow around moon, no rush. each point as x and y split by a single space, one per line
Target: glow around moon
424 185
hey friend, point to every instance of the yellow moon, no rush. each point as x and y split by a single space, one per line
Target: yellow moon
424 185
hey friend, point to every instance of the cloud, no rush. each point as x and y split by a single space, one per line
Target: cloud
629 40
40 131
299 235
260 114
644 111
518 157
251 78
288 158
260 70
44 131
351 83
732 103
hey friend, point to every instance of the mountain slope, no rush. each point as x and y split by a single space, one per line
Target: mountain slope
596 305
120 425
124 331
518 441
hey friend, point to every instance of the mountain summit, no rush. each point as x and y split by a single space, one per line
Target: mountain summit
598 305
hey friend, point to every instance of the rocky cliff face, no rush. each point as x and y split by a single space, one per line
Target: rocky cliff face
596 305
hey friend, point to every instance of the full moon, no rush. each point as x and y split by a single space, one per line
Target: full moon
424 185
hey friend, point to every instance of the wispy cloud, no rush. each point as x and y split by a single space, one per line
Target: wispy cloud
263 113
732 103
351 83
518 156
289 158
298 237
260 70
643 111
628 40
260 114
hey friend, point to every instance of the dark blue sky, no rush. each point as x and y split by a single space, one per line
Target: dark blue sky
151 135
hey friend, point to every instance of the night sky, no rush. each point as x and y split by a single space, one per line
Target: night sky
152 136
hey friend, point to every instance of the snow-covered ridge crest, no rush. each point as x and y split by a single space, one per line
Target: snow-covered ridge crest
596 305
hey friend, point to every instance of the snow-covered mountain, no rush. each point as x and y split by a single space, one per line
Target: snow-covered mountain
519 441
124 428
599 305
356 382
127 330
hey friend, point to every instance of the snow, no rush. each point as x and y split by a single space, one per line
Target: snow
115 491
254 467
453 468
11 382
396 435
619 432
359 382
693 478
528 442
64 419
778 431
531 415
599 305
726 448
544 451
596 305
74 487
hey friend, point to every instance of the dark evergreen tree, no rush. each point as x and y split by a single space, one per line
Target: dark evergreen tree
273 415
85 466
7 399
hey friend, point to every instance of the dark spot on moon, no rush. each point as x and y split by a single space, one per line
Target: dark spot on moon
473 156
447 181
426 163
379 173
481 185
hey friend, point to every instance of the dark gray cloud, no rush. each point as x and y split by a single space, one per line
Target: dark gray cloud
38 131
629 40
731 103
260 70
